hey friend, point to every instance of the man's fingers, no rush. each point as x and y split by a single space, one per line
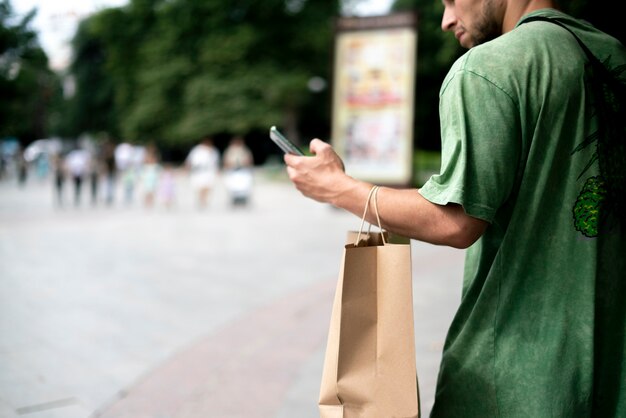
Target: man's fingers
316 145
291 172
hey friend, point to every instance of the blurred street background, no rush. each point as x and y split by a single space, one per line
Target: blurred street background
128 311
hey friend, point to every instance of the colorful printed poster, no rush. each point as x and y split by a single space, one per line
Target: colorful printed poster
373 100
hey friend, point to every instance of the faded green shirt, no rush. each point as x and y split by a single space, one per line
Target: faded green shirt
540 331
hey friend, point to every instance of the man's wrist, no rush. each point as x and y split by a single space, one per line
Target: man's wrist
350 194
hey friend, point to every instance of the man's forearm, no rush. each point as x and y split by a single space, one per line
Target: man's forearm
406 212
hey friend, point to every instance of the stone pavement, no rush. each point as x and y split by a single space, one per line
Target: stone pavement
223 312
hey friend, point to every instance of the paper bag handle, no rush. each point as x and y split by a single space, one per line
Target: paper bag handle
373 192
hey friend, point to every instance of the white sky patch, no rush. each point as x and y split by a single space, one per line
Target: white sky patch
56 22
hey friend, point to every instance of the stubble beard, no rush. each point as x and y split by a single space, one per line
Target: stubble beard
487 27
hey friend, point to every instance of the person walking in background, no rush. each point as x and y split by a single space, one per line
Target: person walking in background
125 162
22 167
95 170
42 166
59 174
149 175
167 186
3 165
203 163
78 166
540 330
108 157
238 164
237 154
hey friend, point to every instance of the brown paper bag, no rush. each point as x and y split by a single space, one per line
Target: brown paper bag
369 368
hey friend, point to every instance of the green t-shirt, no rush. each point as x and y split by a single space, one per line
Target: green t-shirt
540 331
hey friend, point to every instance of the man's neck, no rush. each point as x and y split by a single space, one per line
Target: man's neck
516 9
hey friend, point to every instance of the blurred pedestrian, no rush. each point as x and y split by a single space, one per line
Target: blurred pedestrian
42 165
167 186
238 164
124 155
78 166
108 156
237 154
3 165
203 162
59 173
149 173
96 167
22 167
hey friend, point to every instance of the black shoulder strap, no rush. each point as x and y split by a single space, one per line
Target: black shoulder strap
592 58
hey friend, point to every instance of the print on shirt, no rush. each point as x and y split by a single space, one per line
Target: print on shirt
604 196
587 206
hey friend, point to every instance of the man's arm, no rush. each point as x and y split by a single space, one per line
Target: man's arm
404 212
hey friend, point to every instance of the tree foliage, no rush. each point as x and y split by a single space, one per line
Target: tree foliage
26 83
174 71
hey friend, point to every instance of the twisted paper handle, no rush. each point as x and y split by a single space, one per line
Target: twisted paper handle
373 192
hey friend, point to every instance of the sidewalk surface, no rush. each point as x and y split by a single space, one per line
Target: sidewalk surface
127 311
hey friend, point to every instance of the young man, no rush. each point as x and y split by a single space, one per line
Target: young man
540 331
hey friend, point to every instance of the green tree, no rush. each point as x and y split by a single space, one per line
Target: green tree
90 107
174 71
104 68
26 82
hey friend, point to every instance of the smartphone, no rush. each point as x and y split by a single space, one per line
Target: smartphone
286 145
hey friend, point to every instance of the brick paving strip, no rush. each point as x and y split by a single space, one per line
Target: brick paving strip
243 370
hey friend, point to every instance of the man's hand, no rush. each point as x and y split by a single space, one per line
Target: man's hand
320 177
402 211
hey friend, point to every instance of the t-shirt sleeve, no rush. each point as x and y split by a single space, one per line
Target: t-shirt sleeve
480 134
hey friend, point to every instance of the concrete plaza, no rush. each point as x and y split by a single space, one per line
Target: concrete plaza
128 311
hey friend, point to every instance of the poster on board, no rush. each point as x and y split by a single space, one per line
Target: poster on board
373 96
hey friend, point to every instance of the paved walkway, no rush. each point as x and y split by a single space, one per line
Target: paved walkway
136 312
